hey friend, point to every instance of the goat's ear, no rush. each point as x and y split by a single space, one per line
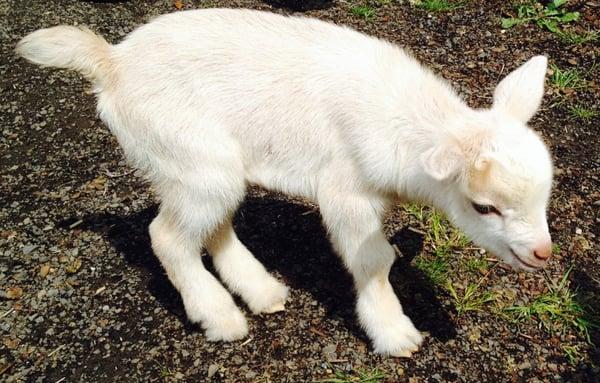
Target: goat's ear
442 161
520 93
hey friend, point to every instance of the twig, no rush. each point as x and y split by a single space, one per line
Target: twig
60 380
5 368
338 361
38 361
415 230
316 331
110 174
75 224
6 313
525 336
397 251
246 341
56 350
99 290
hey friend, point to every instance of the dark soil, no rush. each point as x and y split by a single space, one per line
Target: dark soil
82 298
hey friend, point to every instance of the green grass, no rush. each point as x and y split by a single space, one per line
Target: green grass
583 113
436 268
574 38
443 239
363 11
472 298
476 264
440 5
566 78
415 210
360 376
556 310
572 354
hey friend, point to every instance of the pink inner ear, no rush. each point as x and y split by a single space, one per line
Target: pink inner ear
442 162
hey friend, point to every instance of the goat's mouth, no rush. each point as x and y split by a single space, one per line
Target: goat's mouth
522 262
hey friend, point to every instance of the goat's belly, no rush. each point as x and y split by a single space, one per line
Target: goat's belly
292 180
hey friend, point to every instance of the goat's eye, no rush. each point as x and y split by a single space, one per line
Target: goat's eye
485 209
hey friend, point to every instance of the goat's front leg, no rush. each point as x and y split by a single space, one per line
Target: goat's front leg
353 220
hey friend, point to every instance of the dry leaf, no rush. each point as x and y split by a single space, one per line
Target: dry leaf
14 292
8 234
11 343
97 183
178 4
74 266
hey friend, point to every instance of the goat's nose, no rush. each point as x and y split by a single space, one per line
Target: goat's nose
543 251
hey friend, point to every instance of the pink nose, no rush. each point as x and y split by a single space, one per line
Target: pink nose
543 251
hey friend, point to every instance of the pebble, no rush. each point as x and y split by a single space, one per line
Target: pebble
212 370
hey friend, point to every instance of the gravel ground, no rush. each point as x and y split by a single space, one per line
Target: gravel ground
82 298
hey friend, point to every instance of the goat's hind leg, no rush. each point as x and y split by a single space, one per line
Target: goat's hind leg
188 216
244 274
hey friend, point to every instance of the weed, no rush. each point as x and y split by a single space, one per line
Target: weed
572 354
566 78
556 248
440 5
552 16
583 113
361 376
363 11
164 371
548 16
558 309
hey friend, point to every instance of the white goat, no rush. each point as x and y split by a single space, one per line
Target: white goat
205 102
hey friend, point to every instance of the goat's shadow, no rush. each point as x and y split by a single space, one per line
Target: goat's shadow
300 5
289 239
587 296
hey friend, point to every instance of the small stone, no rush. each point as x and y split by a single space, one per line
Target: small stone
44 270
525 366
578 231
28 249
212 370
329 349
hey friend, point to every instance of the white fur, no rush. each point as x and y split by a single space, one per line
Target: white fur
207 101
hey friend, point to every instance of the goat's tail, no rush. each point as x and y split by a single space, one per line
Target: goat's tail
70 47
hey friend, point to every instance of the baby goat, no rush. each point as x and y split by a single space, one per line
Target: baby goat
205 102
